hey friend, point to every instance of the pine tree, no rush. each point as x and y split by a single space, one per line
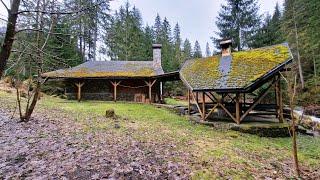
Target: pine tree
197 50
238 20
126 37
148 41
187 49
270 32
177 48
167 47
208 52
157 28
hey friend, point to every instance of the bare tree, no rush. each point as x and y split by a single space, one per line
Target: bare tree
298 50
291 82
10 32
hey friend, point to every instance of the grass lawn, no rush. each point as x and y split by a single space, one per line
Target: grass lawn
212 153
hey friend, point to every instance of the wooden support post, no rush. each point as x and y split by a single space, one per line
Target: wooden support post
244 100
150 84
197 104
79 85
203 106
189 102
197 98
115 84
280 101
237 108
277 99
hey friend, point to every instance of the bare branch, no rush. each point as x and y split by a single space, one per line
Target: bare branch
40 30
5 6
59 13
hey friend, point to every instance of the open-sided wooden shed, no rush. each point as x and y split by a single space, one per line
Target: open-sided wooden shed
139 81
226 81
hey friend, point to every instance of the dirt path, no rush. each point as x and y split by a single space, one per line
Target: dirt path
52 147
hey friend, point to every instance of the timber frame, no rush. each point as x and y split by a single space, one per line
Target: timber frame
233 105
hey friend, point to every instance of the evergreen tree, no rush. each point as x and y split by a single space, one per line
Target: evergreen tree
187 49
270 32
167 47
208 52
126 38
148 41
177 48
157 28
238 20
197 50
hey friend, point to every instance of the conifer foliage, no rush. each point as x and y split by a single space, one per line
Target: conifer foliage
238 20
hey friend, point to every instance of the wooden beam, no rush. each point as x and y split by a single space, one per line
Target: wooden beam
280 101
237 108
79 85
203 106
277 99
115 84
189 102
197 97
211 111
150 84
257 101
197 104
228 112
211 98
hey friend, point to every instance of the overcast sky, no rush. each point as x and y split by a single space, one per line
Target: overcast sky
195 17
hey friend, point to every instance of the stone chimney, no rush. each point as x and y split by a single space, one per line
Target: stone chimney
157 55
226 45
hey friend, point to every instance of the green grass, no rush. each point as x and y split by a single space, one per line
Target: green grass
172 101
210 149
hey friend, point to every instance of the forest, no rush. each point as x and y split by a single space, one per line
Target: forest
56 137
94 33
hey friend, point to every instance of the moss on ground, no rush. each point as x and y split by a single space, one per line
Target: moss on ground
212 153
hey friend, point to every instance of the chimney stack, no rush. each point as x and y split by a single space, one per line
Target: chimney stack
156 55
226 45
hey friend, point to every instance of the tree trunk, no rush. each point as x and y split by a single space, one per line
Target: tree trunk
298 53
9 36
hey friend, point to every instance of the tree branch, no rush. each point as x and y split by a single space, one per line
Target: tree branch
59 13
5 6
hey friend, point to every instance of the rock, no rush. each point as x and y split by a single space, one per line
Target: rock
110 113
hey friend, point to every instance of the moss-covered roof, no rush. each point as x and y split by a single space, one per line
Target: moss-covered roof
105 69
238 71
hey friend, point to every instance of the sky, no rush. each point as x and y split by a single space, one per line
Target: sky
196 17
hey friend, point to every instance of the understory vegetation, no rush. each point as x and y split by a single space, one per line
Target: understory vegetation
205 152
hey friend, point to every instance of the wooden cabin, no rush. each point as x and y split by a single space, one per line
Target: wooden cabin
139 81
226 81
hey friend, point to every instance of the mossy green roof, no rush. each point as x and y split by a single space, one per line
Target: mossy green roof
108 69
238 71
